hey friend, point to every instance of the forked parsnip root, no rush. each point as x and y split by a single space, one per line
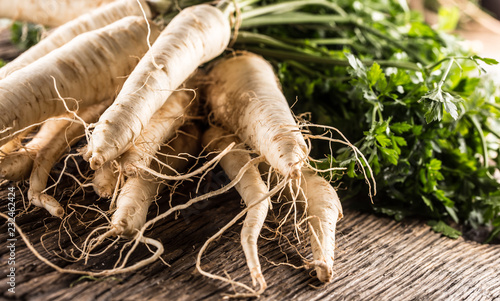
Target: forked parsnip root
105 180
47 12
87 70
46 157
139 192
16 166
177 110
324 210
196 35
245 97
252 190
14 144
92 20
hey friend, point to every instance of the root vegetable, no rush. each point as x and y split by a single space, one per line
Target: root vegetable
93 20
89 69
162 126
323 210
138 193
252 189
105 180
17 166
47 12
13 144
196 35
245 98
47 157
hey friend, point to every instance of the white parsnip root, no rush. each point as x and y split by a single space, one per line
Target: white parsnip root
246 99
87 70
178 108
253 192
16 166
324 210
108 74
93 20
47 12
138 193
69 132
196 35
105 180
14 144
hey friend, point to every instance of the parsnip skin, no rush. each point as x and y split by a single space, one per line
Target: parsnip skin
251 189
246 99
47 12
178 108
89 69
47 156
138 192
93 20
196 35
17 166
105 180
324 211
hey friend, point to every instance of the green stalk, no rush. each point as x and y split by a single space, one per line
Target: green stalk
329 41
396 42
290 6
432 66
484 145
293 18
226 7
256 38
310 58
304 18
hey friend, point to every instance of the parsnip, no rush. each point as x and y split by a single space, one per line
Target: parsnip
47 12
86 70
196 35
138 193
245 98
47 157
93 20
178 108
251 188
324 211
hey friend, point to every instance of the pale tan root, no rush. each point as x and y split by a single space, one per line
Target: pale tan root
105 180
251 292
90 69
196 35
47 157
358 155
138 193
92 20
17 166
324 210
14 144
246 98
178 108
47 12
135 267
252 189
139 238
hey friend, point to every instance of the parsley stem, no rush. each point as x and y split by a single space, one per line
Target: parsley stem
313 58
484 145
332 20
290 6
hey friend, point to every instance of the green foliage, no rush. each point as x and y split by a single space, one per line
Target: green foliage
441 227
25 35
409 98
